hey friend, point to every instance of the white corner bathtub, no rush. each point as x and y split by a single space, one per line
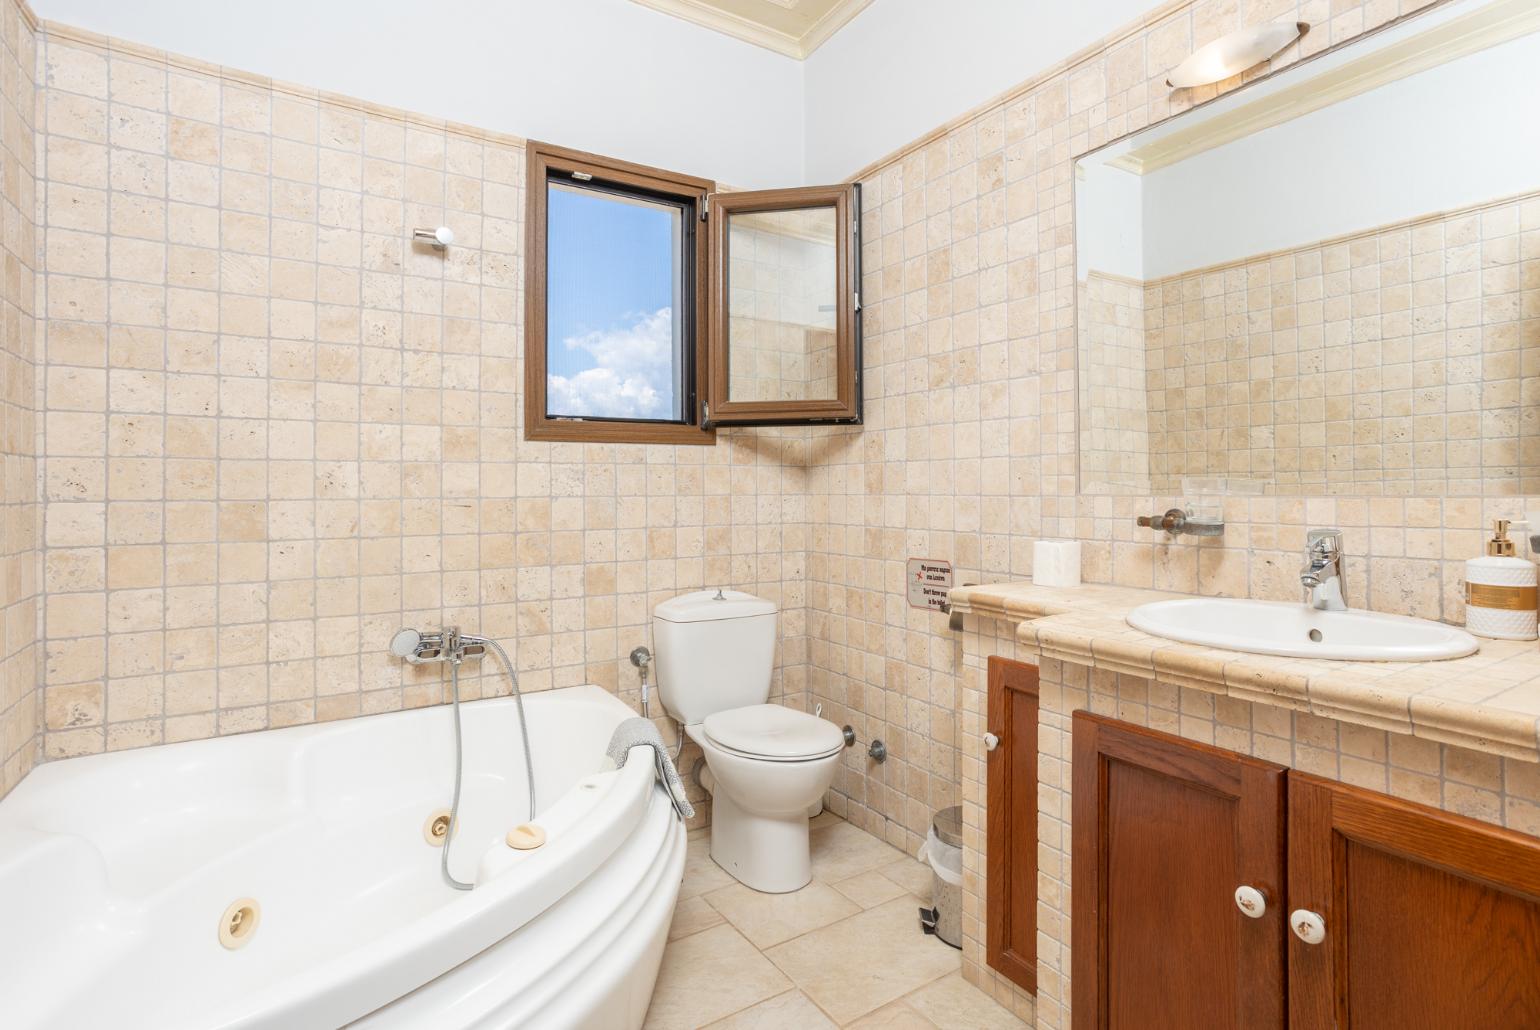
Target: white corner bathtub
116 870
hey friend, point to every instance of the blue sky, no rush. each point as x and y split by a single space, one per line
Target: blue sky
610 297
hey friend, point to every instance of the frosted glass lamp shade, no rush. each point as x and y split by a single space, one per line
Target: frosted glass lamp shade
1234 53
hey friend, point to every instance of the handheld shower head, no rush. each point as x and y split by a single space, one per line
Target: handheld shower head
404 644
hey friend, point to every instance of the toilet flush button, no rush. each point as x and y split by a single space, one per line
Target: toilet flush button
526 837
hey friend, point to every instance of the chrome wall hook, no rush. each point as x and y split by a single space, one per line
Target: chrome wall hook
438 239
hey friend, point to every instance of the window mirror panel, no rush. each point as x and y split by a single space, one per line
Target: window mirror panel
786 331
1327 282
782 299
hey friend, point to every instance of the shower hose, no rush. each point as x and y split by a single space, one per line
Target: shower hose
529 763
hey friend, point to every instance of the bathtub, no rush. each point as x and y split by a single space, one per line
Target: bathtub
117 871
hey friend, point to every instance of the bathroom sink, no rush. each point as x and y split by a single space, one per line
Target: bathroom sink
1299 631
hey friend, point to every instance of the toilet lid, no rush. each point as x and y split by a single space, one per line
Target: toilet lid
773 732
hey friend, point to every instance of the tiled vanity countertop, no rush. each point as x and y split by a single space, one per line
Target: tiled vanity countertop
1489 701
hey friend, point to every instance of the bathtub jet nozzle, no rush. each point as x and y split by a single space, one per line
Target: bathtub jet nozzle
238 922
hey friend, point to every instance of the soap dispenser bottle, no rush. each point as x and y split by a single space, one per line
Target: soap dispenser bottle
1500 593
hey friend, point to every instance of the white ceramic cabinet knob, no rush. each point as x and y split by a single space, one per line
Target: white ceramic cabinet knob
991 741
1308 926
1250 901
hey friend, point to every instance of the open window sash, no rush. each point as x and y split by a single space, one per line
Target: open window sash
784 338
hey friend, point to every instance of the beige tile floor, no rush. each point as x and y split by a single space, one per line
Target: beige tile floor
844 951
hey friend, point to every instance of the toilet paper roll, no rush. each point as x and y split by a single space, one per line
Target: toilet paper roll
1056 563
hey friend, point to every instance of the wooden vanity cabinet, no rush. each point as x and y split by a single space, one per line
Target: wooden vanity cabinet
1431 919
1164 832
1011 895
1393 915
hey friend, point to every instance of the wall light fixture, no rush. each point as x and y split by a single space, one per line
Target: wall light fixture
1233 53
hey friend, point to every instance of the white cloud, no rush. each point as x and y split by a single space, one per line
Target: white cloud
632 373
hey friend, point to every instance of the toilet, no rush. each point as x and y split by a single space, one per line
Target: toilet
766 765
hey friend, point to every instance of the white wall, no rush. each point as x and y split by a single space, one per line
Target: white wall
620 79
1109 221
1444 139
603 75
904 67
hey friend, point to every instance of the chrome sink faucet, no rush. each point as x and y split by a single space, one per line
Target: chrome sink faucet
1321 574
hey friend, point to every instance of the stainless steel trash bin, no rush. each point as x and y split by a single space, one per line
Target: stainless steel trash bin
943 852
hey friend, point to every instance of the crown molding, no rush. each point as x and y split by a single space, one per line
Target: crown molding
836 18
712 17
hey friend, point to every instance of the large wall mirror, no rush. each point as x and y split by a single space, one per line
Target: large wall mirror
1327 282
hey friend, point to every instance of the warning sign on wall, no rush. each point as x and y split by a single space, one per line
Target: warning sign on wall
929 580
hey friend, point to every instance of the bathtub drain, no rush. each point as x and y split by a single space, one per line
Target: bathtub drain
239 923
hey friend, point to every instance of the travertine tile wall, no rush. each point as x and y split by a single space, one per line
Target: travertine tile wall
19 514
276 430
781 313
1390 362
969 450
1114 395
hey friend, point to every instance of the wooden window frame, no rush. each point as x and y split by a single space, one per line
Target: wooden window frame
542 159
846 405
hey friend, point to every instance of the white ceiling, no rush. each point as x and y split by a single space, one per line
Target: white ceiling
792 27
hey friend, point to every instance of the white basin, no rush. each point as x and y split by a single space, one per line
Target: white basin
1299 631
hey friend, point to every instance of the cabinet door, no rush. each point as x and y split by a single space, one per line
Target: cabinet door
1165 831
1430 919
1011 908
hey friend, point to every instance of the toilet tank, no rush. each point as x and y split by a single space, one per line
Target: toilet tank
715 650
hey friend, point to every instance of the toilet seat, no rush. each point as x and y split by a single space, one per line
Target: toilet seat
771 733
